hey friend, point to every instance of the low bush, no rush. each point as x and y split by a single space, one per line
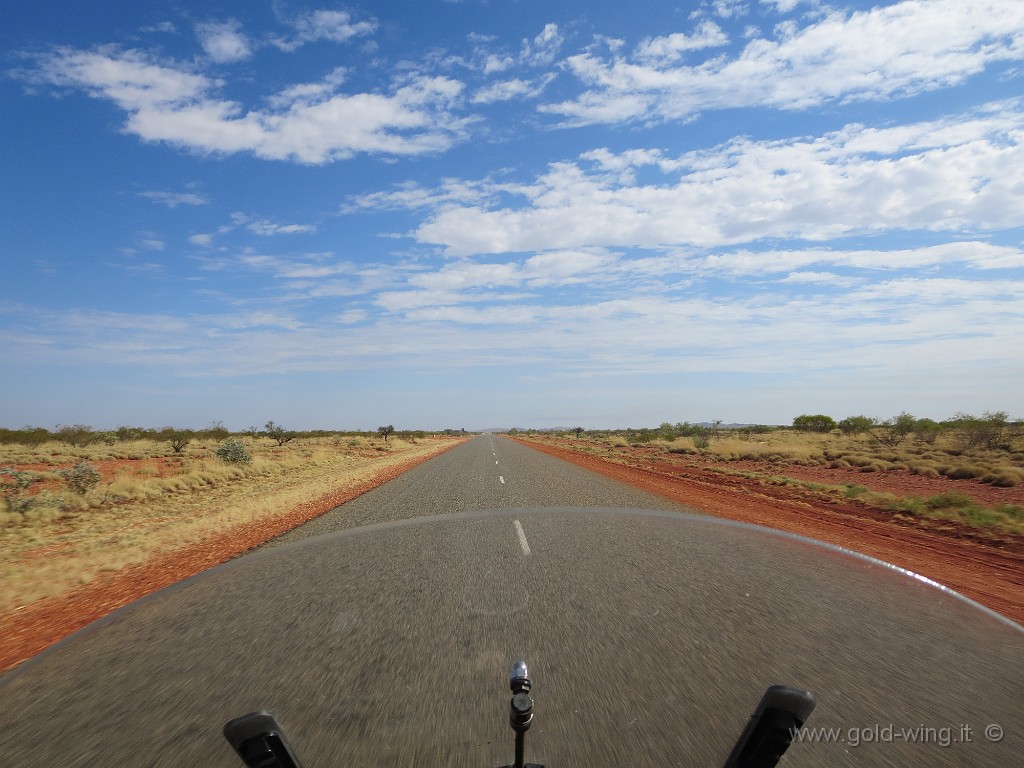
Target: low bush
233 452
82 477
14 486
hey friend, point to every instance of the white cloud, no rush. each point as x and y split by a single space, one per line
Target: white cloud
169 103
412 196
883 53
309 93
670 48
597 274
821 278
746 263
506 90
726 9
539 51
267 228
353 316
223 41
962 174
542 50
163 26
333 26
926 322
174 199
785 6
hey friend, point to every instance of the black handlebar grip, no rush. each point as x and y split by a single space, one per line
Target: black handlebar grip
781 712
259 741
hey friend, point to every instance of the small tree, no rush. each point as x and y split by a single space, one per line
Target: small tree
178 438
856 425
818 422
985 432
579 431
892 432
216 431
30 436
927 430
279 433
77 436
126 434
386 431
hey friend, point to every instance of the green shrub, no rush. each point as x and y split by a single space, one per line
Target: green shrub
855 425
894 431
14 486
77 436
178 438
233 452
927 430
82 477
817 422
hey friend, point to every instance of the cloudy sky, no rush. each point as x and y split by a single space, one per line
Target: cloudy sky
510 213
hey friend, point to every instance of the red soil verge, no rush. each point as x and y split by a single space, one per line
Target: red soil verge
987 568
36 627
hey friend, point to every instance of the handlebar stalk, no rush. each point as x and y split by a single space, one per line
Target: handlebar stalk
520 715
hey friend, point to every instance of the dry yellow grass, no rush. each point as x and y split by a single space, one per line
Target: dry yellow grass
129 519
999 467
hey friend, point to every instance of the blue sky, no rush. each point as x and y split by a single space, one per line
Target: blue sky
474 214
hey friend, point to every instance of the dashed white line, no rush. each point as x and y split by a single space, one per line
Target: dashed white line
522 538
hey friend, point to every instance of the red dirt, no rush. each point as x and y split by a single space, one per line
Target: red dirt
109 469
987 567
36 627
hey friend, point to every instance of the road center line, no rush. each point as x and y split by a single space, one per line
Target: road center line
522 538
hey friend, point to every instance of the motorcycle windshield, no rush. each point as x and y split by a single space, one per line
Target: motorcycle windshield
650 637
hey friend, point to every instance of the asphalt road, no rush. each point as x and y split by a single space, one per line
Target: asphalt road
650 636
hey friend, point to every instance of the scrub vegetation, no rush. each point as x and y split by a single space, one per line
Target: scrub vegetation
982 453
78 502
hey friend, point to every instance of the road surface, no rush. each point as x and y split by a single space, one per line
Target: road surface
651 637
